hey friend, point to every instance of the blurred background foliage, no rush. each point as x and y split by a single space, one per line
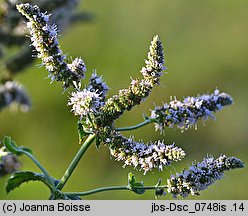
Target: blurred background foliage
205 46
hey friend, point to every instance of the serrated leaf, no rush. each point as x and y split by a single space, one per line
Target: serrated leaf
25 176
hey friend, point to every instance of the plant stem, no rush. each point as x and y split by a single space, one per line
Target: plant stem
147 121
111 188
97 190
75 161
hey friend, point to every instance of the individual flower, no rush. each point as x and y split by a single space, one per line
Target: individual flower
13 94
44 39
9 163
143 156
138 89
84 102
185 114
201 175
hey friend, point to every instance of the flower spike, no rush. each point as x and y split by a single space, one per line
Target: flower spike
44 39
138 89
187 113
201 175
144 156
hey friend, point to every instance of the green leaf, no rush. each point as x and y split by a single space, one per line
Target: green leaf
13 148
25 176
136 187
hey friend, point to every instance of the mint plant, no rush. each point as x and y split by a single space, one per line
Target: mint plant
97 113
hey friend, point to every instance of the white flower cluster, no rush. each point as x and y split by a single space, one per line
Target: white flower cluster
84 102
89 100
187 113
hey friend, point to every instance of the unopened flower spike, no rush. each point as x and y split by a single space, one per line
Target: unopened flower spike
44 39
185 114
9 163
12 94
143 156
138 89
201 175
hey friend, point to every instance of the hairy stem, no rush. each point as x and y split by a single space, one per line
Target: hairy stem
75 161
